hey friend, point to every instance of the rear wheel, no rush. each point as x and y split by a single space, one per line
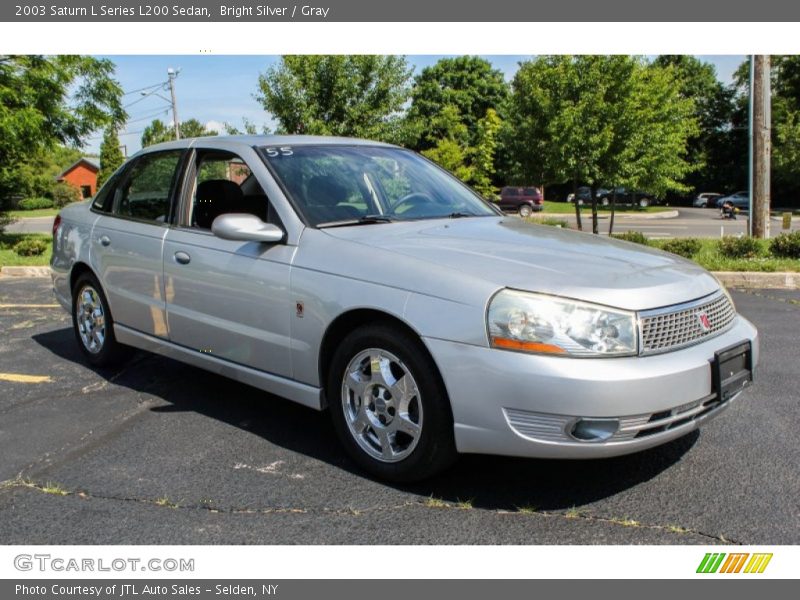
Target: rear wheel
389 406
604 201
525 210
644 202
93 324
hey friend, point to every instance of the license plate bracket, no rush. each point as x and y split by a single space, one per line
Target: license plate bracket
732 370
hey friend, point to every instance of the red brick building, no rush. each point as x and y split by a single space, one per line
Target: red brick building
83 175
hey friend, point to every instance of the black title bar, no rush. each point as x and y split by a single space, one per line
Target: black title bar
406 10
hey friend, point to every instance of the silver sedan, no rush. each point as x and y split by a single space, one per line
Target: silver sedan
360 278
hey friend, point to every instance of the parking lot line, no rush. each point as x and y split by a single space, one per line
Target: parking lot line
20 378
30 306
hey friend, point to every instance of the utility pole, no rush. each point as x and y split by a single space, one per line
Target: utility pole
761 93
173 74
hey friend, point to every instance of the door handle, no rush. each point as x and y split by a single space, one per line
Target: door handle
182 258
104 240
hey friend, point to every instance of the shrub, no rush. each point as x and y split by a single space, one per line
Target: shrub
637 237
64 193
739 247
685 247
786 245
553 222
30 247
34 203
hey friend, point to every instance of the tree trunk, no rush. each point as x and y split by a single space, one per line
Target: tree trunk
613 211
593 192
575 202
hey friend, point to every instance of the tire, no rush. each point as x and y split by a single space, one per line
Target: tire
405 432
93 324
644 202
525 210
604 201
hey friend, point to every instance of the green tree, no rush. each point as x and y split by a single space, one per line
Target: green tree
483 154
356 96
158 132
600 120
50 101
468 83
111 157
35 176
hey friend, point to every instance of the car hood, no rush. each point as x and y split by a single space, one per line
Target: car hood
509 252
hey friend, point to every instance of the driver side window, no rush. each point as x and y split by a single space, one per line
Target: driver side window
225 184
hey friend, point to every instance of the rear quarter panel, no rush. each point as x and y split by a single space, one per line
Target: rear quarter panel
71 245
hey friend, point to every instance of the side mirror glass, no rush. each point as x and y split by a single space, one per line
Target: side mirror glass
246 228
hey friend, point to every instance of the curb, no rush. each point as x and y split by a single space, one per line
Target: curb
757 280
25 272
667 214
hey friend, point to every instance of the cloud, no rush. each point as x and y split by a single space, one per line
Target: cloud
213 125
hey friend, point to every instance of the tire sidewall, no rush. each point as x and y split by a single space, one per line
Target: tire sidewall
111 350
525 210
435 449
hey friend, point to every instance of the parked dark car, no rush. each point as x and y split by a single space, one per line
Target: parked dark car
584 194
626 196
740 200
523 200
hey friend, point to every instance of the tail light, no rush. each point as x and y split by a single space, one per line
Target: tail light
56 225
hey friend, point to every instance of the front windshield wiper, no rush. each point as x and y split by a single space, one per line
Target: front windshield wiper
365 220
462 215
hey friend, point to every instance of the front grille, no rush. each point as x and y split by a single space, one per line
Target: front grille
674 327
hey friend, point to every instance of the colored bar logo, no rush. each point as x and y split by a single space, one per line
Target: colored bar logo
736 562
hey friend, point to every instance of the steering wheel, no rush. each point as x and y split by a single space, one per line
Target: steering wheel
414 201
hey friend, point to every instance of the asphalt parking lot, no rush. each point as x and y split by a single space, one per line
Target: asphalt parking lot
158 452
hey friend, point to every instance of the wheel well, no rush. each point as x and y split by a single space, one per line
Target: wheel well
347 322
78 269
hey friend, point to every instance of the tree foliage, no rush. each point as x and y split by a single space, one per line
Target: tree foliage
600 121
468 83
111 157
158 132
50 101
355 96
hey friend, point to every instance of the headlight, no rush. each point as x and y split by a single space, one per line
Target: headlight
542 324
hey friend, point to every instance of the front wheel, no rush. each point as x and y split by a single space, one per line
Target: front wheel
389 406
93 325
525 211
644 202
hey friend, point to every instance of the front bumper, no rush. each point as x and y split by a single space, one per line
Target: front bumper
523 405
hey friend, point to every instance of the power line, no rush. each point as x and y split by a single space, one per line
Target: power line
149 87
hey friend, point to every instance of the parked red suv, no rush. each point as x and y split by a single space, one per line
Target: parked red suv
523 200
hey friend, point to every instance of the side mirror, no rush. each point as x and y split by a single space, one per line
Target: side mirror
245 228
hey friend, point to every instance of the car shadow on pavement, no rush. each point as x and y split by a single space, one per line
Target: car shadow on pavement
491 482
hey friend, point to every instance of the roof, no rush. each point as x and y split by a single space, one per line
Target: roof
269 140
92 162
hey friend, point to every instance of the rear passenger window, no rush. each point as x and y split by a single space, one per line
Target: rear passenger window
145 195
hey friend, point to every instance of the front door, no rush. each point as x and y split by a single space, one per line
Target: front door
225 298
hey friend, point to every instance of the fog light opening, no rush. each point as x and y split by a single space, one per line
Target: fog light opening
594 430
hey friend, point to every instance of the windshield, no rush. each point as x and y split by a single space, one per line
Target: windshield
340 184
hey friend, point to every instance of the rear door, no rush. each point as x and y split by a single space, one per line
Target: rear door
127 242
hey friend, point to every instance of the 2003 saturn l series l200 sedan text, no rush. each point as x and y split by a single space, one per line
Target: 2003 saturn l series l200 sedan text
360 277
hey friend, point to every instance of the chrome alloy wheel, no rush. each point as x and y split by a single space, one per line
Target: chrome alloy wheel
381 403
91 319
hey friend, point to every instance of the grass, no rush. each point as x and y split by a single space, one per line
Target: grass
567 208
38 212
9 258
710 258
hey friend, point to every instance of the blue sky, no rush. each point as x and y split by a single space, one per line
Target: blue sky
219 89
